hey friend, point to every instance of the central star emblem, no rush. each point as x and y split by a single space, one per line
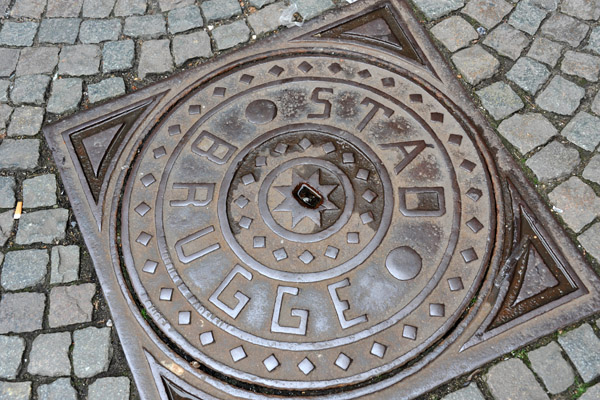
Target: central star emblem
306 198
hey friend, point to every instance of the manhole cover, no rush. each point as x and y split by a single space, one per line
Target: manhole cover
319 216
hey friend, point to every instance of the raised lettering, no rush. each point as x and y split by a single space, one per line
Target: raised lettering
388 112
315 97
215 149
419 146
302 314
241 298
341 306
188 259
191 199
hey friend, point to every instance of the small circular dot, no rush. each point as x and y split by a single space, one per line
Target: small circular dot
403 263
261 111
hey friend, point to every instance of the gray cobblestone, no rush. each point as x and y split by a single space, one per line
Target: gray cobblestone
64 264
563 28
59 30
560 96
15 390
583 348
18 33
500 100
65 95
71 304
527 17
433 9
21 312
24 268
5 113
8 61
592 171
230 35
28 8
64 8
545 50
554 161
39 191
507 41
109 388
475 64
37 60
578 203
92 351
106 89
184 19
125 8
19 154
487 13
118 56
155 58
582 9
267 19
45 226
511 379
528 74
6 226
99 30
7 192
220 9
527 131
192 45
583 65
4 84
260 3
26 121
146 26
11 356
49 355
311 8
589 240
30 89
81 59
60 389
471 392
454 33
592 393
167 5
583 131
593 43
97 8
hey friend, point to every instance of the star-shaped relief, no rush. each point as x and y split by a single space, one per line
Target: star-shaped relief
306 198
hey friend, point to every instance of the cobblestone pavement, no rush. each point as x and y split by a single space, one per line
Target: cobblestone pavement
533 67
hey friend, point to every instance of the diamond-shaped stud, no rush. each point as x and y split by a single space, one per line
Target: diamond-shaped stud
245 222
306 366
331 252
328 147
259 242
362 174
142 209
343 361
378 350
185 317
353 238
305 143
409 332
166 294
237 354
271 363
280 254
241 202
306 257
248 179
207 338
367 217
369 195
150 267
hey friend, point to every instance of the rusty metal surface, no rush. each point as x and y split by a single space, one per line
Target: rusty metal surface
324 214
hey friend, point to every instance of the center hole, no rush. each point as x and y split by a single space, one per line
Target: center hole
307 196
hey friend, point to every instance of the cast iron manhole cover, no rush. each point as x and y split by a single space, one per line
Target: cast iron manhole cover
318 216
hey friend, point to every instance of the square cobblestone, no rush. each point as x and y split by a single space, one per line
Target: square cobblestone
7 192
15 390
563 28
92 351
59 30
21 312
106 89
500 100
24 268
118 56
475 64
554 161
109 388
146 26
124 8
260 3
591 172
230 35
583 130
527 16
45 226
507 41
192 45
511 379
49 355
582 9
18 33
39 191
593 43
167 5
556 373
220 9
28 8
528 74
455 33
184 19
471 392
37 60
8 61
590 240
65 95
434 9
583 65
561 96
545 50
11 356
60 389
577 202
267 19
30 89
583 348
487 13
5 113
311 8
527 131
71 305
6 226
81 59
155 58
26 121
64 264
63 8
97 8
19 154
99 30
4 84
